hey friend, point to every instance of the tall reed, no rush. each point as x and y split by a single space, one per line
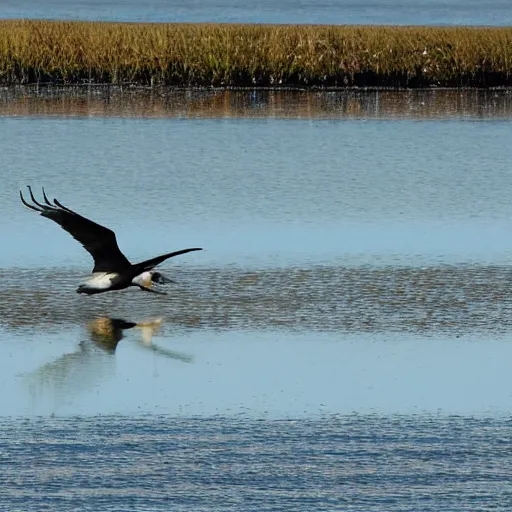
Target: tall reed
253 55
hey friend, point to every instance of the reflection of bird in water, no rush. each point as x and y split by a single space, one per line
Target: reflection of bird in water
108 332
148 328
83 367
112 270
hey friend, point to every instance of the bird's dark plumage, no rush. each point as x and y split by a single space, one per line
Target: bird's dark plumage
98 240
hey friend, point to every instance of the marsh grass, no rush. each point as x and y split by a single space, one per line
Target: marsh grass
206 55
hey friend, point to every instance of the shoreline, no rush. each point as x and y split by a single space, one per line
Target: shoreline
135 88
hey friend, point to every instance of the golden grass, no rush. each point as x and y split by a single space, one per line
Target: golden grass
253 55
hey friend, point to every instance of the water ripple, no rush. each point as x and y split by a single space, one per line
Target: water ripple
354 462
455 299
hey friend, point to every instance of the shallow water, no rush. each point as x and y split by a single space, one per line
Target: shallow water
263 192
340 12
129 102
433 300
257 374
353 462
342 343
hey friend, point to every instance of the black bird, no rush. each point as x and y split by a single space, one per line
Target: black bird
112 270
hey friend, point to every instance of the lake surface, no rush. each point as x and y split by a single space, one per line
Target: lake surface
343 342
341 463
339 12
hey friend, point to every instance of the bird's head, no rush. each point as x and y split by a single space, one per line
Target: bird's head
145 279
152 276
159 278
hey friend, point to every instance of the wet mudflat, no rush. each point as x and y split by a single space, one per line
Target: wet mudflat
451 299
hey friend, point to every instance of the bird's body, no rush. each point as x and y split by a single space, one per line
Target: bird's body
105 281
100 282
112 270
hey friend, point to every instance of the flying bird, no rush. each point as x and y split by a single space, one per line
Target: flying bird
112 270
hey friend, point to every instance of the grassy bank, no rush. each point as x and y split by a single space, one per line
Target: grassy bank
253 55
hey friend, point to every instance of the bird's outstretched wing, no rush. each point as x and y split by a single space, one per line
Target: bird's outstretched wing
138 268
98 240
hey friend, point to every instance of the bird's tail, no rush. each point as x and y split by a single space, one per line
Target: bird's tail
143 266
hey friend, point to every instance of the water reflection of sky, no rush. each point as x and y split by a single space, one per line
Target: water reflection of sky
263 192
242 335
274 374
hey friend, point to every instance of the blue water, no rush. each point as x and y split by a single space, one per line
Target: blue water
260 192
342 343
354 462
258 374
340 12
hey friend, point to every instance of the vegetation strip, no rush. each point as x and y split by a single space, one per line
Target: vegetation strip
222 55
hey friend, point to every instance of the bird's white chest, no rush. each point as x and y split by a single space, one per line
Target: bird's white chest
100 280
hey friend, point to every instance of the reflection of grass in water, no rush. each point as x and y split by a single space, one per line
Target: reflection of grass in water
118 101
252 55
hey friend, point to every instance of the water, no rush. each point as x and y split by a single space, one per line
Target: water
340 12
128 102
342 463
342 342
278 375
265 192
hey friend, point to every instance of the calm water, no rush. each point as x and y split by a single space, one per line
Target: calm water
112 101
389 12
342 343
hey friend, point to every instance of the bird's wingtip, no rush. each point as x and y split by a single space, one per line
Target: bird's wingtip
46 198
24 201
